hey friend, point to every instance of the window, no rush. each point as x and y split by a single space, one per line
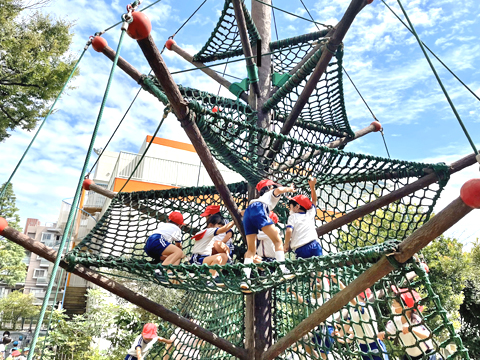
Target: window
38 273
46 237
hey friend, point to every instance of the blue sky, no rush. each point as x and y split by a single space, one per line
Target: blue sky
381 56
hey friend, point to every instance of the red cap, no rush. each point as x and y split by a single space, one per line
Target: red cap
263 183
210 210
366 294
409 297
274 217
141 26
470 193
377 126
303 201
3 224
149 331
16 353
99 43
87 183
177 218
425 266
169 44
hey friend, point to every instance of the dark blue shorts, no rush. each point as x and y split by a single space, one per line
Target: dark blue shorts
323 339
373 351
430 356
197 259
155 246
306 251
255 218
130 357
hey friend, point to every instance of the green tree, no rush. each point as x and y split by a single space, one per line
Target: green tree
18 305
470 309
34 63
12 269
449 267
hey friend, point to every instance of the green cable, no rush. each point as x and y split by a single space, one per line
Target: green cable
44 120
436 57
439 80
74 202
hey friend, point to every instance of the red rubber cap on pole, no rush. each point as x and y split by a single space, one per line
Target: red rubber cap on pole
87 183
140 27
99 43
169 44
377 125
3 224
470 193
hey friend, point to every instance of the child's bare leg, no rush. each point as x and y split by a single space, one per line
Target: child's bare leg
257 259
173 255
219 259
250 254
273 234
220 247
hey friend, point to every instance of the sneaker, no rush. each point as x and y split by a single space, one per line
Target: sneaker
161 278
287 275
219 282
245 288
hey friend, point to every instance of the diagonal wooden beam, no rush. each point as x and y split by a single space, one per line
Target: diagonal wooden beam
445 219
393 196
115 288
336 37
242 29
188 57
181 111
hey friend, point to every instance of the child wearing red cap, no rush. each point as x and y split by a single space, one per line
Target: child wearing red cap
222 242
159 245
256 218
143 343
204 239
414 336
301 234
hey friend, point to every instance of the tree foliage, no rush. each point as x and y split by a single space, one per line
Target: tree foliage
12 268
17 305
34 63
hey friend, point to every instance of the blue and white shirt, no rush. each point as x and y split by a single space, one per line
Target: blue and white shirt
139 342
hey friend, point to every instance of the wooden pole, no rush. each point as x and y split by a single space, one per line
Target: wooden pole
335 40
125 293
242 29
407 248
220 79
391 197
180 109
250 325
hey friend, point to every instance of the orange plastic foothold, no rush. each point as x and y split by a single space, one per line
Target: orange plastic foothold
87 183
470 193
377 125
169 44
140 27
369 1
3 224
215 109
99 43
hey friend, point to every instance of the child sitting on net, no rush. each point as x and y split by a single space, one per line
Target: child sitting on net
223 242
408 325
159 245
144 342
202 249
301 234
256 218
265 247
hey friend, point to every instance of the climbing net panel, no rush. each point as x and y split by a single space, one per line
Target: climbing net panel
224 42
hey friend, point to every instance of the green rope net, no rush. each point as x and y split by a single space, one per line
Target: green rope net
345 181
224 42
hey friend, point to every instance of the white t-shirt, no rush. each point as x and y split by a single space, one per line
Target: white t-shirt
409 339
265 247
303 226
146 347
364 323
203 246
171 232
319 296
268 199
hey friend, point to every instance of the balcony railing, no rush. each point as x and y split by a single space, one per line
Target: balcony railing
95 200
